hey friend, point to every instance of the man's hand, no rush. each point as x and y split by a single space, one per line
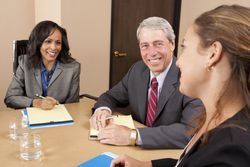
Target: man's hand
98 119
115 135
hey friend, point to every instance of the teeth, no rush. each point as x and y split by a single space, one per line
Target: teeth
52 53
154 60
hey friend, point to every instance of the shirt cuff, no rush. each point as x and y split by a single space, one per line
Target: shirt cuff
138 140
103 108
31 102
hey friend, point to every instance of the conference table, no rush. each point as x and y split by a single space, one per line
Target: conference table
68 146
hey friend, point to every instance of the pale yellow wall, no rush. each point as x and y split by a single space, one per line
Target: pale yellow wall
193 8
48 10
17 20
88 26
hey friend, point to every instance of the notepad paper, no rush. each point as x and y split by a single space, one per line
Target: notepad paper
102 160
125 120
56 116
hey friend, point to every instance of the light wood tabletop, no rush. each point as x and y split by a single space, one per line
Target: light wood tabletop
68 146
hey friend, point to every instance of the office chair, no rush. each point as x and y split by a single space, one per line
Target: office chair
81 96
20 48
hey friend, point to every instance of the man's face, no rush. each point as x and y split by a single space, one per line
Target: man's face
156 49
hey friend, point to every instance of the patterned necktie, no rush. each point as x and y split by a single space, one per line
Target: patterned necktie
152 102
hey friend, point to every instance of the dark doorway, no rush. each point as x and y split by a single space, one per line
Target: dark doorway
126 16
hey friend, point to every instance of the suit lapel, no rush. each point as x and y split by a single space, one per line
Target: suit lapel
143 91
56 73
37 74
168 87
184 156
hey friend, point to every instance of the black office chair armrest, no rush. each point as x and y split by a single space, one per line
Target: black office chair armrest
88 96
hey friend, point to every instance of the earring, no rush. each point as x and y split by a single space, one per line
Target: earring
209 68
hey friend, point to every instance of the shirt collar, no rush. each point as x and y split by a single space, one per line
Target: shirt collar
43 69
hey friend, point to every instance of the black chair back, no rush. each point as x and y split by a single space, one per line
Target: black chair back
19 48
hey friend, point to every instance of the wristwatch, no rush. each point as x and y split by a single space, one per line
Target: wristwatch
133 136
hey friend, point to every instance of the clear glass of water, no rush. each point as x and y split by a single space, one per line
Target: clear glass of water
16 129
30 147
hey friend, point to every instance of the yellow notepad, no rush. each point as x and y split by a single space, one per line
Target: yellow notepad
56 116
125 120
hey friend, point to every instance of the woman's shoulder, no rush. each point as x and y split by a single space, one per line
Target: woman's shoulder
23 60
72 66
232 142
234 132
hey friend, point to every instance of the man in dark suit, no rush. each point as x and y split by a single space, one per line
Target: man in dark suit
167 113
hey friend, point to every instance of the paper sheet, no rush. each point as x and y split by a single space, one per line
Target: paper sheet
125 120
39 116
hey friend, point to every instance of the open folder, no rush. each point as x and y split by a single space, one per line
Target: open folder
125 120
57 116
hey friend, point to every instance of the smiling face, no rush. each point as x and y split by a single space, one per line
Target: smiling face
51 47
156 49
192 62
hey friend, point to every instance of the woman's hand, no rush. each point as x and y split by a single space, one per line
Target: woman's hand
47 103
127 161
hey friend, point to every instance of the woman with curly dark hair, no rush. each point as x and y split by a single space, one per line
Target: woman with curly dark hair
48 71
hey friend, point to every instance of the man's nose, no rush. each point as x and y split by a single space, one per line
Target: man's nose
152 51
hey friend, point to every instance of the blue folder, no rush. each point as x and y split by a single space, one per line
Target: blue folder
102 160
46 124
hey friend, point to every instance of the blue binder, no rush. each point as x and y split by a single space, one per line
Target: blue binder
102 160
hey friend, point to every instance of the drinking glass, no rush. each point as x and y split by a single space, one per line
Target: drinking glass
17 129
30 147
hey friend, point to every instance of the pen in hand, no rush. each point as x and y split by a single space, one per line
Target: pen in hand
42 97
111 117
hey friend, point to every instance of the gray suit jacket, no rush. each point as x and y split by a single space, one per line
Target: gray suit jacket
63 86
175 112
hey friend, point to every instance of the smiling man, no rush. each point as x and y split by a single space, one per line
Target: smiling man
151 89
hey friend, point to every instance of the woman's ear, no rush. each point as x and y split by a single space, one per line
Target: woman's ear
216 54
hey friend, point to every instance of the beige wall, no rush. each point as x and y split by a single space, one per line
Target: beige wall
88 26
43 11
193 8
17 20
